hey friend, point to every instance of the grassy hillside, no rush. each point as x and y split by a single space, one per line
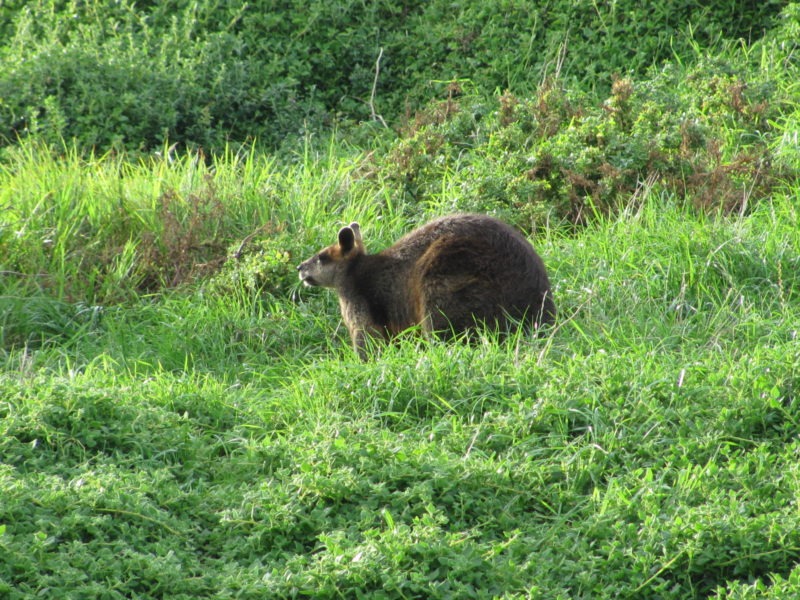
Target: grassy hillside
179 418
229 445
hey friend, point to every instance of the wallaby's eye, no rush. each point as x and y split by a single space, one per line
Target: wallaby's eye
324 258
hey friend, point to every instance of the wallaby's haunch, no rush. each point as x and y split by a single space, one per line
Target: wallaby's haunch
447 276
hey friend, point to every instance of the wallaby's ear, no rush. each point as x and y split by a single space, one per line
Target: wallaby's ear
347 239
356 230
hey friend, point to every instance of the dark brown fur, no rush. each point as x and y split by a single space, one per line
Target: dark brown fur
446 276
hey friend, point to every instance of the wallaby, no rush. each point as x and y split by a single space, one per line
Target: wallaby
448 276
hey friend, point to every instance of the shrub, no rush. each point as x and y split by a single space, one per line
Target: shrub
255 266
133 75
704 134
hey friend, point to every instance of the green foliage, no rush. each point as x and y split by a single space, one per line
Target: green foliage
105 229
88 229
706 134
209 444
137 76
180 418
258 267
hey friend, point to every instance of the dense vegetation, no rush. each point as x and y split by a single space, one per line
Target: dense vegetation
179 419
136 75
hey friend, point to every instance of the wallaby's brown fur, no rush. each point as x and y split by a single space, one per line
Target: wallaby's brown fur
447 276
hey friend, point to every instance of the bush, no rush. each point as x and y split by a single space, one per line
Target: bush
707 134
133 75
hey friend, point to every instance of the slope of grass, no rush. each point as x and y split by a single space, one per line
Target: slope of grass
179 418
230 444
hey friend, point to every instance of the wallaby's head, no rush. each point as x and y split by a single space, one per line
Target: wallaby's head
325 267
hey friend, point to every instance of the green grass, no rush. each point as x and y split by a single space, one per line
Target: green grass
180 418
213 440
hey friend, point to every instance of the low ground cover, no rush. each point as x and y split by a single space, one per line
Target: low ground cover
229 445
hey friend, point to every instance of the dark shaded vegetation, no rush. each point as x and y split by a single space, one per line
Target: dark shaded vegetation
139 76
